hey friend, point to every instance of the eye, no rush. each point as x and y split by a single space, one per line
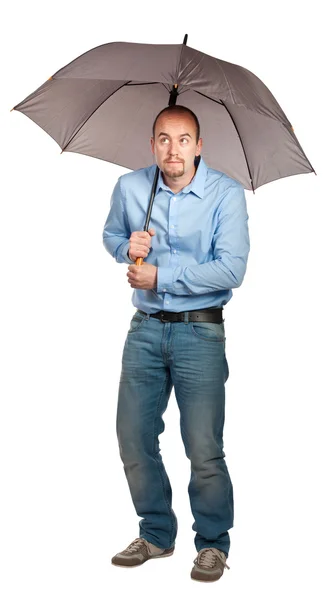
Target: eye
164 139
184 140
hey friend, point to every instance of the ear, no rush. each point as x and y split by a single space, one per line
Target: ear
199 147
152 143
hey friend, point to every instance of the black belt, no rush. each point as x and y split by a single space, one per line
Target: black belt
205 315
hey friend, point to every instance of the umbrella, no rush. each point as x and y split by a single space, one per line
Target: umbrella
103 104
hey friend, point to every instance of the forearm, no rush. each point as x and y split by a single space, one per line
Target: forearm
118 247
209 277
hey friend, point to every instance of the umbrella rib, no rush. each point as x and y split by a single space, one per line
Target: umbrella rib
183 46
237 131
244 152
145 83
299 146
82 125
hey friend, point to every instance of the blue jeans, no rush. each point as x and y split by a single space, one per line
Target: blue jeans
191 357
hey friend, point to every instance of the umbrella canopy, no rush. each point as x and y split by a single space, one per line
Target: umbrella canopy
104 102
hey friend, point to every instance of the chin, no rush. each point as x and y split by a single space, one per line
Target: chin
173 172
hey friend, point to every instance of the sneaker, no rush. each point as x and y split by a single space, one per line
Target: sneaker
138 552
209 565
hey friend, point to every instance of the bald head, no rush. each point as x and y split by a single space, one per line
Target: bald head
178 110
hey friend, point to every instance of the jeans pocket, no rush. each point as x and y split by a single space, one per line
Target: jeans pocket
210 332
136 322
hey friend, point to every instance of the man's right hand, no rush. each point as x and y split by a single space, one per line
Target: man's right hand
140 244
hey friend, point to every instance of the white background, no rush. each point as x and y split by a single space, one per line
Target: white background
66 306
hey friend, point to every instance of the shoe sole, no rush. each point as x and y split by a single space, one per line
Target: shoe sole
142 563
206 580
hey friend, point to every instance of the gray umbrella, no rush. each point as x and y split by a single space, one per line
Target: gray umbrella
104 102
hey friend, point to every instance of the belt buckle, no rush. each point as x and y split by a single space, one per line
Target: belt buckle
162 318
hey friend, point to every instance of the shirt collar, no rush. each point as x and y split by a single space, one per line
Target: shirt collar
197 185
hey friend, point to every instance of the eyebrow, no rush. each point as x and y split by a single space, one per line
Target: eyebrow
181 135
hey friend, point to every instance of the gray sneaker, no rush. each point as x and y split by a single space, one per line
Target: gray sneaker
138 552
209 565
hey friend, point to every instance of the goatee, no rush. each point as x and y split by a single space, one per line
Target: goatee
173 173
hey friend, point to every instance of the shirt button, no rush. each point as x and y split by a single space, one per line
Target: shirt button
164 290
168 302
174 251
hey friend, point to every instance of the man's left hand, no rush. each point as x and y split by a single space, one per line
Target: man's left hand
143 277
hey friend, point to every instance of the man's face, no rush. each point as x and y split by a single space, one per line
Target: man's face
175 146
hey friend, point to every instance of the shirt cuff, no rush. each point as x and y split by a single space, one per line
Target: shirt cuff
165 280
124 255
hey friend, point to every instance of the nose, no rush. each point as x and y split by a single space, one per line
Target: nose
174 149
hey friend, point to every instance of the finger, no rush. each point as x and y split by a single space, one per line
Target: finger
137 244
142 235
137 250
140 253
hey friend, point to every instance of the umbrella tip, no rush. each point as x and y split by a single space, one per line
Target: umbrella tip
185 39
11 109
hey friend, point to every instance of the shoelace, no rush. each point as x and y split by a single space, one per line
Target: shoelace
207 558
135 545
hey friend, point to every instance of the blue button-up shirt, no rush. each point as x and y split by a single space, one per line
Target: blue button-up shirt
201 244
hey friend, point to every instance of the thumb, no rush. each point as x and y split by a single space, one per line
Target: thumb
152 231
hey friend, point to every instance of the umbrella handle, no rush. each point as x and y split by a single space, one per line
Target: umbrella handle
139 260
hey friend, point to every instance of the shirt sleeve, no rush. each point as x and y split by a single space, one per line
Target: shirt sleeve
116 230
231 246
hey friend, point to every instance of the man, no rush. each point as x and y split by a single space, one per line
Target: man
195 253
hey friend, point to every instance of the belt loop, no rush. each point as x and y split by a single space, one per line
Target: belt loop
186 317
